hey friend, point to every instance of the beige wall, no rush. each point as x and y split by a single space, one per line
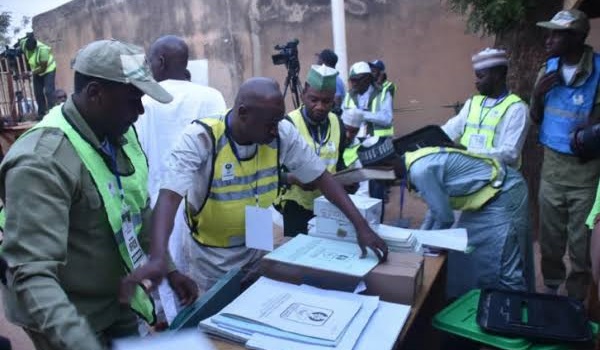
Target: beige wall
425 48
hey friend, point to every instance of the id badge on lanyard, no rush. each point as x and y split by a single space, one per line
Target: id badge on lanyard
134 249
130 239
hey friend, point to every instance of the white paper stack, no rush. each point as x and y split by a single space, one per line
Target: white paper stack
398 239
369 208
273 315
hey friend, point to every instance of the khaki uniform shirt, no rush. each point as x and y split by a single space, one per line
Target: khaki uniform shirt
64 264
564 169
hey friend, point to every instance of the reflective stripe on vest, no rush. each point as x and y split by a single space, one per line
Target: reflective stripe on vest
134 188
33 58
329 154
375 104
567 108
471 201
220 220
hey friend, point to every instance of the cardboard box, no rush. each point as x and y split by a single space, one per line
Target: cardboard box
315 277
369 208
398 280
319 262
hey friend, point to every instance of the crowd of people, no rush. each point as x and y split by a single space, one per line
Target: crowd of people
141 175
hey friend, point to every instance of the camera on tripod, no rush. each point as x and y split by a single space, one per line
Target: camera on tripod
288 56
288 53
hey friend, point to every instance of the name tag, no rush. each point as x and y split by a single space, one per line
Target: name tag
134 249
259 228
477 142
228 172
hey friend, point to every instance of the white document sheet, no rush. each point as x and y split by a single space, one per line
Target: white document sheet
181 340
210 327
259 228
325 254
453 239
285 307
384 327
349 339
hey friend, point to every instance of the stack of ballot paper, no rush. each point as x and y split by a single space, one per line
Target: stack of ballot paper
319 262
273 315
398 239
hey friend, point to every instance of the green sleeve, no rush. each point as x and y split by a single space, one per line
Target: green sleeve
595 210
39 191
44 54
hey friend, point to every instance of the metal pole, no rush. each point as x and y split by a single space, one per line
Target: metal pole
338 21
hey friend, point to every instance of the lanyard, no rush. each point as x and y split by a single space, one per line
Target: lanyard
239 160
483 116
318 139
113 157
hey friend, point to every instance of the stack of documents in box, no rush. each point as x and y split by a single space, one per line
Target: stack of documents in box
398 239
273 315
369 208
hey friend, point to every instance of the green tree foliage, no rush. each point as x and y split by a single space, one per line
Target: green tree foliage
490 17
5 18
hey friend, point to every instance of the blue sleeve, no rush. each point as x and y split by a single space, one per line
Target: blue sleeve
428 178
340 90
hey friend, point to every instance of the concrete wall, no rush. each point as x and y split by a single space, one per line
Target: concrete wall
425 48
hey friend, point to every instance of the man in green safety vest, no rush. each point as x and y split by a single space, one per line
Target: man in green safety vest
324 133
76 208
376 106
380 78
352 120
43 69
494 122
493 201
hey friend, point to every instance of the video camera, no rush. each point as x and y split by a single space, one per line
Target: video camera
288 54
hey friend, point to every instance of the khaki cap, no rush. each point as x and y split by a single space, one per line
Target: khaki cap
120 62
574 20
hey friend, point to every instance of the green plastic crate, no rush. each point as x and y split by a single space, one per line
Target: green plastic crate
460 318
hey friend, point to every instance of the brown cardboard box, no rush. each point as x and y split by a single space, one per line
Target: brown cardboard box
296 274
398 280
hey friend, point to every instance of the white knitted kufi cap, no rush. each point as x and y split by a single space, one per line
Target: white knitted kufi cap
489 58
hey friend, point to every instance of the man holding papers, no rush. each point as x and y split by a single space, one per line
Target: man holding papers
226 167
493 198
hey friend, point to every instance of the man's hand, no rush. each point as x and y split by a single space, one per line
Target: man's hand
150 275
545 84
367 238
185 288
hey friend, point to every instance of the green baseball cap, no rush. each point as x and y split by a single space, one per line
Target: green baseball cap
120 62
321 77
574 20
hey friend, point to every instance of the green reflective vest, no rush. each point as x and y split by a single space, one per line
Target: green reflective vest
329 152
134 186
33 57
234 184
472 201
375 102
484 120
351 154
